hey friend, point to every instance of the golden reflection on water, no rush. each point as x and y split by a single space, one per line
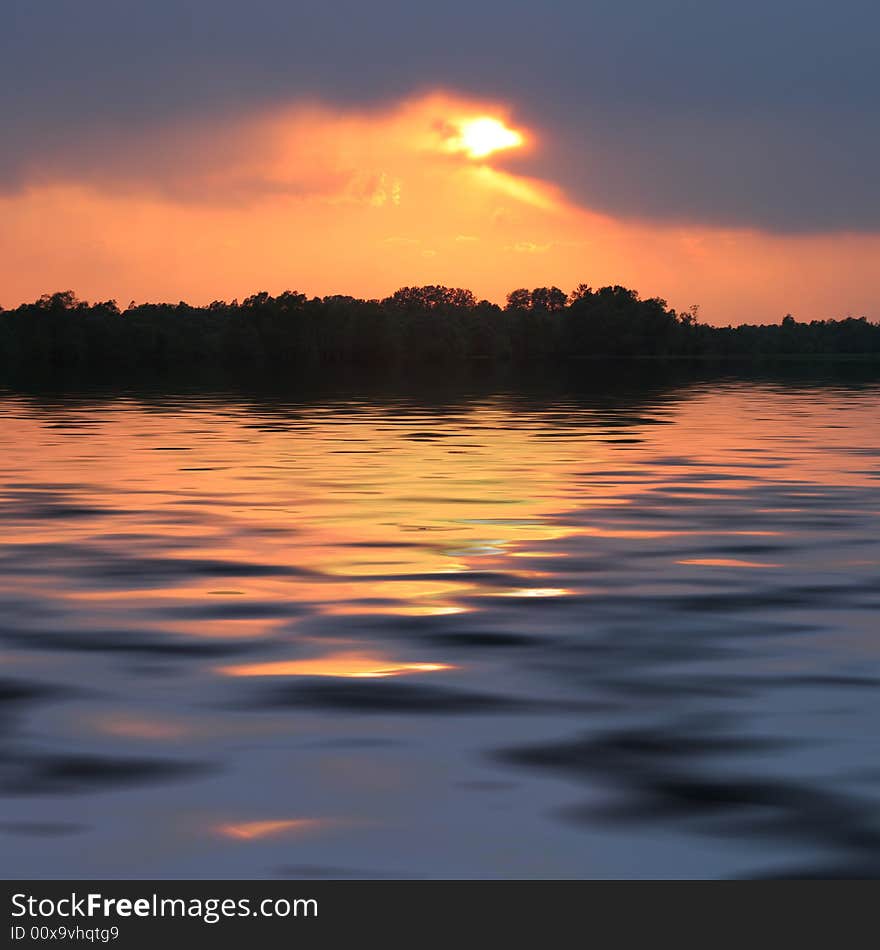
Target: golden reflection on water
398 531
534 592
355 665
725 562
137 571
252 830
370 510
395 610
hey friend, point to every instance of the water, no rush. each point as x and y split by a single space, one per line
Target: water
621 632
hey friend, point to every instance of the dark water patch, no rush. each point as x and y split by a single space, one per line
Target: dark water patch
113 567
383 697
819 681
633 750
33 504
42 829
16 691
486 639
60 512
30 774
127 641
664 776
771 598
18 697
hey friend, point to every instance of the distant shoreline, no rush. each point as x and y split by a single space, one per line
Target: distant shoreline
872 357
417 327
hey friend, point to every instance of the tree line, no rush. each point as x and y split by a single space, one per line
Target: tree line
415 325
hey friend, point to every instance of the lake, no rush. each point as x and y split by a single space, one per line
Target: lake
625 628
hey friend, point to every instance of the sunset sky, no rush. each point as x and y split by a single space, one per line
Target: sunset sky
710 153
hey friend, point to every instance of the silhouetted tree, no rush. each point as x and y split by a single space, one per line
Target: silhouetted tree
550 299
417 325
519 299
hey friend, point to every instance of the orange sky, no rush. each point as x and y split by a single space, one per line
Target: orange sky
326 202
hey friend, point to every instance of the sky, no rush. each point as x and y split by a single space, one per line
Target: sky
713 153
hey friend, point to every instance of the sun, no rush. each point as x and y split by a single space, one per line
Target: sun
481 136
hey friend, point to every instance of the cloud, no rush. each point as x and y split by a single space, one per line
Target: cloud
306 150
758 114
529 247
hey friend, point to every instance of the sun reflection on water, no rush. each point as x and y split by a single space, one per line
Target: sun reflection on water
353 665
253 830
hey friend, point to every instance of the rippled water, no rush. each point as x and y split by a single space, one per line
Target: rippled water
627 633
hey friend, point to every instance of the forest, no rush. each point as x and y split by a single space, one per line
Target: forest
422 326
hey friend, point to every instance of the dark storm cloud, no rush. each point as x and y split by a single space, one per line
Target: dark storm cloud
747 112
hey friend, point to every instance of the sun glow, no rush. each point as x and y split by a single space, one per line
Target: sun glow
483 136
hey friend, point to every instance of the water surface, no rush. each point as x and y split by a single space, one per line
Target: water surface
623 632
